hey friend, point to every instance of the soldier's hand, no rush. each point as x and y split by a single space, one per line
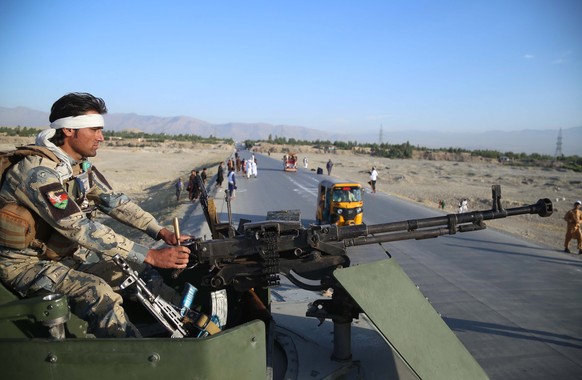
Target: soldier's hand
168 257
170 238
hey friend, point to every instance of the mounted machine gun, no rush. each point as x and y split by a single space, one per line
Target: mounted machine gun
39 337
255 256
309 257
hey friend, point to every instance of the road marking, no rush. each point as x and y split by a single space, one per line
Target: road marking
302 189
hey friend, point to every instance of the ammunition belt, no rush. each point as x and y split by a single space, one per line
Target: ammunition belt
270 260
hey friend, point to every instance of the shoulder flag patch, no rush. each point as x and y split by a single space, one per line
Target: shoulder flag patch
58 198
58 202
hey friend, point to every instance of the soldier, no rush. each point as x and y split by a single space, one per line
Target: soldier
573 218
70 253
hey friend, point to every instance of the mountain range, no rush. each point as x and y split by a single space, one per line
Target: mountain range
529 141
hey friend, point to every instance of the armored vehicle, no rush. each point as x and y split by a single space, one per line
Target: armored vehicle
233 332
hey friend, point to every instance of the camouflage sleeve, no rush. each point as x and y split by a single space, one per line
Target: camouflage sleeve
37 187
120 207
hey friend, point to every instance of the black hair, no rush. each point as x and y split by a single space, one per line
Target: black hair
74 104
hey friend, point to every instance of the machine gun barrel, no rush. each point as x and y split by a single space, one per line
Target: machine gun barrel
267 248
437 226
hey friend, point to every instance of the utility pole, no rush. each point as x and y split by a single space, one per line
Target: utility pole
381 139
558 146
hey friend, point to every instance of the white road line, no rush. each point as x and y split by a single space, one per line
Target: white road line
302 189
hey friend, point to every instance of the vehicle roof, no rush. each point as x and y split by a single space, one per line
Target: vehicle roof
336 181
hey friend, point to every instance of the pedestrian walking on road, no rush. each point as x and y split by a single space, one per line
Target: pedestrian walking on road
179 188
254 167
220 175
231 184
329 166
573 219
373 178
203 175
193 186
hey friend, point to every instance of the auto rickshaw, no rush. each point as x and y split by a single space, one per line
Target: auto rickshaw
339 202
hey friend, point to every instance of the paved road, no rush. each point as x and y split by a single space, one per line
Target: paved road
516 306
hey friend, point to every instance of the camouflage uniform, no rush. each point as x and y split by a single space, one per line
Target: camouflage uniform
75 258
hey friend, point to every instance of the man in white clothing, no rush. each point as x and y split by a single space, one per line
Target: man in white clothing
373 178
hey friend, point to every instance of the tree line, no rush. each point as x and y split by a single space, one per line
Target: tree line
404 150
110 135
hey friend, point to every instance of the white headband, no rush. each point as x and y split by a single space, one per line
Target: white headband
91 120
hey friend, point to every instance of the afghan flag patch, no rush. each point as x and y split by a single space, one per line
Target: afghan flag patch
58 198
58 202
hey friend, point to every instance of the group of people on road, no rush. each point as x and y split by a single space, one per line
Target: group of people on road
251 166
248 167
193 186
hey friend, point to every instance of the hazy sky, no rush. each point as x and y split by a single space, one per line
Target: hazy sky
331 65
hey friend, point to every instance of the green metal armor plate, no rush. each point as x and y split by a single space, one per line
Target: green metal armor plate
408 322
